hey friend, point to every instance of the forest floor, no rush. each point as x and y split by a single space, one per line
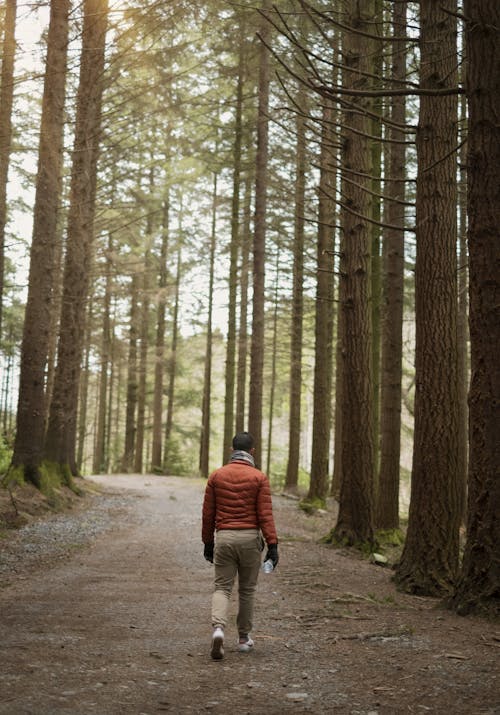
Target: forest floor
116 620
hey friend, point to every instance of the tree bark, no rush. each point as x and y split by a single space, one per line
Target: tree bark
429 562
156 449
272 389
375 229
207 377
31 410
100 461
83 407
387 512
172 367
233 266
6 99
259 246
462 328
60 439
355 521
241 372
131 400
322 390
479 584
143 359
297 317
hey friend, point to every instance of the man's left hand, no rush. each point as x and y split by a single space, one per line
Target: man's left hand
272 554
208 552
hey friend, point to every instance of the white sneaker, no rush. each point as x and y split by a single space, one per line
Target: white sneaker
217 651
245 644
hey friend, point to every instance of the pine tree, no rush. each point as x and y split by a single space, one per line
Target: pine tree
61 432
30 426
479 584
429 562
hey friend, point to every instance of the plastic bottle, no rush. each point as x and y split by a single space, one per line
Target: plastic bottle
268 566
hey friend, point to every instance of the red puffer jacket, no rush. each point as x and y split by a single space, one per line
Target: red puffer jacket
238 496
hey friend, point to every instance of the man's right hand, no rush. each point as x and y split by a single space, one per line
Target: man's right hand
208 552
272 553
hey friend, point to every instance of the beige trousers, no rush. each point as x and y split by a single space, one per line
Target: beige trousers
237 551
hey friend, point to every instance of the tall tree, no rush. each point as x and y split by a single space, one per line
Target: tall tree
274 345
207 378
479 584
143 356
131 389
6 98
100 459
387 513
355 520
462 328
233 260
259 243
60 438
429 561
172 363
241 372
156 446
297 317
31 405
323 330
375 228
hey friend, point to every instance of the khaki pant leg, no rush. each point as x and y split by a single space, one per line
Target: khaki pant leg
248 573
226 566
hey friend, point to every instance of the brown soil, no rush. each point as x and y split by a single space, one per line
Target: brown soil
123 626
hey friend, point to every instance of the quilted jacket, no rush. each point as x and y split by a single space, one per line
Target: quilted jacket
238 496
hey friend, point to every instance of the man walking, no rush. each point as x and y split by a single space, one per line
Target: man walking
237 507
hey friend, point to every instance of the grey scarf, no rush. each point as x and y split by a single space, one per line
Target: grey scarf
240 456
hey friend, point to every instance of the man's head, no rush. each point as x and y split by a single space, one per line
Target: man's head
243 441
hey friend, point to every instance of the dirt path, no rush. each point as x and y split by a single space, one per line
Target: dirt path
124 627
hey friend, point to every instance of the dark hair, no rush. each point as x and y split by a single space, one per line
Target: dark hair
243 441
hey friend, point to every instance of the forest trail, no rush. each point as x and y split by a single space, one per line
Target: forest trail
124 627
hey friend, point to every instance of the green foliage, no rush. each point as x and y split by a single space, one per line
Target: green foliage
12 477
390 537
366 548
277 476
178 461
312 505
5 455
54 475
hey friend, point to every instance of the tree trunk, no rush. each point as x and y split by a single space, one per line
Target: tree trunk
296 323
479 584
241 373
55 316
207 377
233 267
172 367
462 331
6 97
84 390
272 389
355 520
393 293
322 390
100 461
131 401
143 363
61 432
429 561
376 262
259 246
156 458
34 349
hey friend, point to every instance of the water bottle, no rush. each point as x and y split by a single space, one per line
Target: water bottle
268 566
